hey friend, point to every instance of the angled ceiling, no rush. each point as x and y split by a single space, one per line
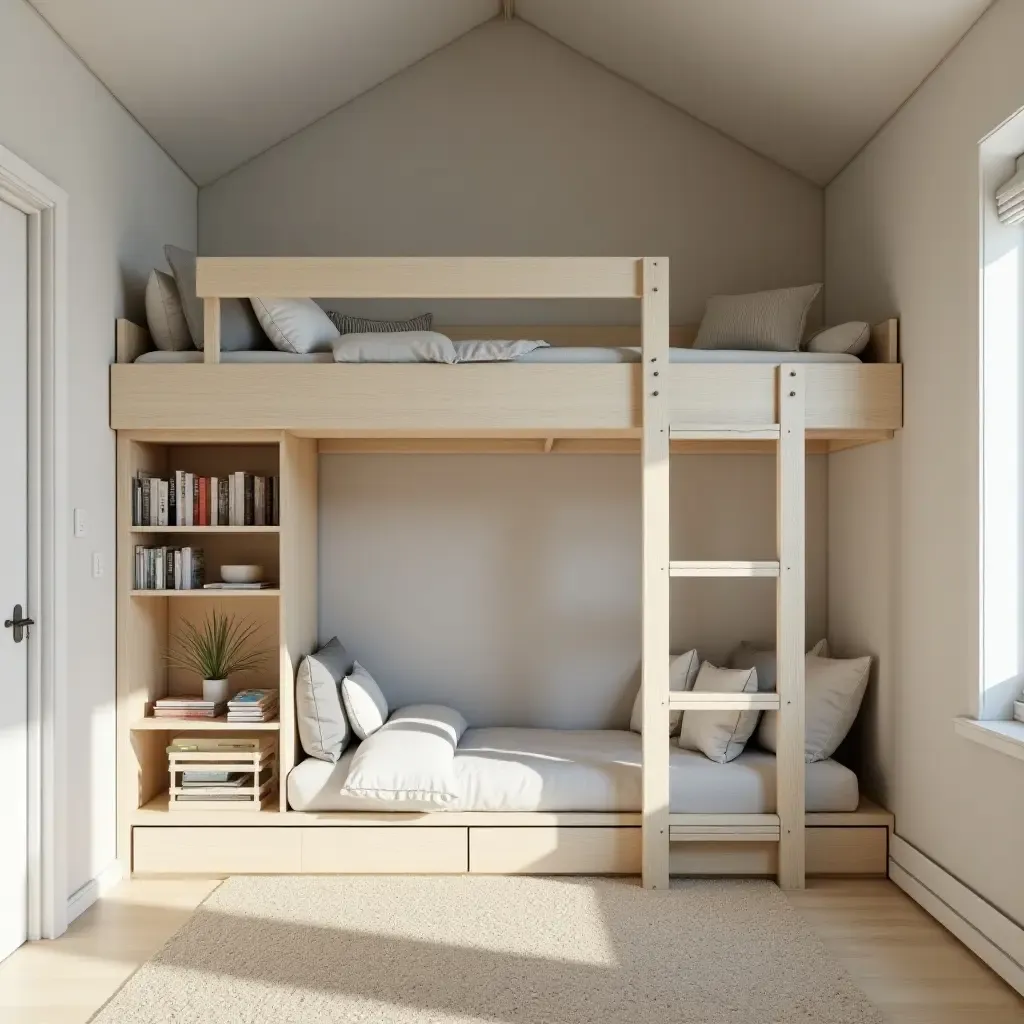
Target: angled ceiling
804 82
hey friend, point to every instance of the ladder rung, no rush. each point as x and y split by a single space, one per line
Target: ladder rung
724 834
724 432
723 568
704 701
694 820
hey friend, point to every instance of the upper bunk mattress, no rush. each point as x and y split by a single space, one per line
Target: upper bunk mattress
515 769
552 354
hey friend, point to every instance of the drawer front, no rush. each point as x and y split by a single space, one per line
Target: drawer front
554 851
847 851
391 849
215 851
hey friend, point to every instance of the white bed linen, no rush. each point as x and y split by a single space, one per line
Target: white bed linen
551 354
515 769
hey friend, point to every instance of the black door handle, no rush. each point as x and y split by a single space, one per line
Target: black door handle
18 624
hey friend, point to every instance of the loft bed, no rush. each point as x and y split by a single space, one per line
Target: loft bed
285 413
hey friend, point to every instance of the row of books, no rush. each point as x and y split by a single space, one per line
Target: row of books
253 706
187 707
186 499
169 568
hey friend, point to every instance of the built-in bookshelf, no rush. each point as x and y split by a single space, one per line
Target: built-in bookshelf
151 620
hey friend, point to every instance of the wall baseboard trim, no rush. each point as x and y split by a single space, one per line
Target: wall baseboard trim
981 927
82 899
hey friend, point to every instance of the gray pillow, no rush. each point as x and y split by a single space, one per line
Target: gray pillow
764 321
749 655
400 347
366 706
360 325
164 314
851 338
240 331
323 727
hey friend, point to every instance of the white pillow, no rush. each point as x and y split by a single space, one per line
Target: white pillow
769 321
720 735
399 347
851 338
682 671
749 655
296 325
365 705
165 315
833 691
323 727
494 351
409 760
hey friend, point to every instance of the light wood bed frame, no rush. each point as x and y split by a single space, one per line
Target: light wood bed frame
284 415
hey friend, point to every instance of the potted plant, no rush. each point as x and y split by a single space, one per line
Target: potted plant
220 647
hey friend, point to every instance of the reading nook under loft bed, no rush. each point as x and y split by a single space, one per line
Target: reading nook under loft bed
269 421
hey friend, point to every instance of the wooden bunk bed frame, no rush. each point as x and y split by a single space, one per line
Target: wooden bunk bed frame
285 415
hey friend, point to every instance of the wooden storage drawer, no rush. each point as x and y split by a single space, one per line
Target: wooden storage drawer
847 851
563 850
210 850
390 849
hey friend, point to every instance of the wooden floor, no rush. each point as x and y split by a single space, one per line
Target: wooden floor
909 966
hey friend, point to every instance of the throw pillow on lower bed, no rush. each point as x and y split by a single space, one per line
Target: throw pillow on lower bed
720 735
834 689
295 325
768 321
365 705
165 315
682 671
323 728
410 759
750 655
400 347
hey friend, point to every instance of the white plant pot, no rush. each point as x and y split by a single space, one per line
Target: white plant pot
215 690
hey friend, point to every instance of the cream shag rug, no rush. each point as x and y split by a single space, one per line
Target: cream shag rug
408 950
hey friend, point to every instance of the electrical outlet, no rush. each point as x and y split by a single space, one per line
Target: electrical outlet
79 520
97 565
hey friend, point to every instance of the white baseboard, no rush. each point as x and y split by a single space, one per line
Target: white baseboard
82 899
981 927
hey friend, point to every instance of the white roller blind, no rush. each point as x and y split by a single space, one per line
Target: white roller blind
1010 197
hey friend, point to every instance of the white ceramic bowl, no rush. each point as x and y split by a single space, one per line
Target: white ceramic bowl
241 573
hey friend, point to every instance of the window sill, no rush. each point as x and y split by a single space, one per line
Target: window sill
1006 737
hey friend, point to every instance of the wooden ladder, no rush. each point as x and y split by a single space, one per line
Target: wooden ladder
660 827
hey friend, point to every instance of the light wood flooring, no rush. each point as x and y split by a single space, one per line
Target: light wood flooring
908 965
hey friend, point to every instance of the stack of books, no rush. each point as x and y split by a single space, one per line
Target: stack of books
216 785
187 707
253 706
186 499
169 568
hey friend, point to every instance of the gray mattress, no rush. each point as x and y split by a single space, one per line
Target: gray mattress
553 354
515 769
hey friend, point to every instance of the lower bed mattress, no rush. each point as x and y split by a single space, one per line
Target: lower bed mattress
516 769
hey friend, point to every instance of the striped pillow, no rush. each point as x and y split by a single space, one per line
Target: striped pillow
767 321
360 325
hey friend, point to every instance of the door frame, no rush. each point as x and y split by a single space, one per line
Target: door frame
46 206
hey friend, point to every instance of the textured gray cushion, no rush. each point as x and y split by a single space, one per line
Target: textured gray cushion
323 728
361 325
771 320
365 705
165 315
720 735
239 328
749 655
851 338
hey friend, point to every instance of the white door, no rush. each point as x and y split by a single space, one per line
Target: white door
13 577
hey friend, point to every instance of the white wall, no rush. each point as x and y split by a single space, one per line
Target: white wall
126 199
510 585
902 231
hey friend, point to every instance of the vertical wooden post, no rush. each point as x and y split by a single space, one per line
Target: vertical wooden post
211 330
654 452
790 625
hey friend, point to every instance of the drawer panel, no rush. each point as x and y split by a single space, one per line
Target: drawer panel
554 851
215 851
421 850
847 851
